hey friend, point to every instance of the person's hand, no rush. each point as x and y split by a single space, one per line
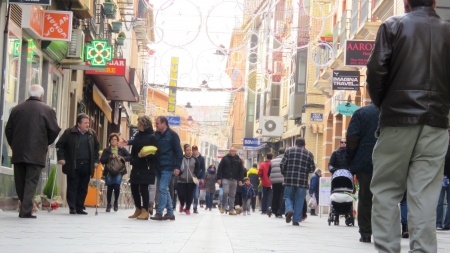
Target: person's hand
62 162
202 181
219 181
141 154
113 155
240 183
95 165
122 143
176 172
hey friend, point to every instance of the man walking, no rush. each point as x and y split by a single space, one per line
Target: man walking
78 153
408 79
296 165
31 127
229 174
263 173
170 157
360 143
201 161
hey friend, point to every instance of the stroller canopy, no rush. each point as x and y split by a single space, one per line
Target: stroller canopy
342 180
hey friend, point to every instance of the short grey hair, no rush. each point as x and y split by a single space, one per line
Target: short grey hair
36 90
317 171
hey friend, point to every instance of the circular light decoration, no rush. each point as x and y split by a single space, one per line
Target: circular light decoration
99 53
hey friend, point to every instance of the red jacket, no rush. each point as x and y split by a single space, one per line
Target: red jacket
263 173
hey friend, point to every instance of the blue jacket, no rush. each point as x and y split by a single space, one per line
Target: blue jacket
247 192
201 161
314 185
169 150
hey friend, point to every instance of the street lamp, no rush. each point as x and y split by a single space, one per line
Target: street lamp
190 120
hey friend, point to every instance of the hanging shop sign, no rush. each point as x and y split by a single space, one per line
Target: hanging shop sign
173 84
347 109
116 67
99 53
37 2
252 142
357 52
345 80
57 25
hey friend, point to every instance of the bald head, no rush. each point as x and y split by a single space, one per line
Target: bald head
232 151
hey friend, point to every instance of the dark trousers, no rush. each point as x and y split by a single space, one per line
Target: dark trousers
186 194
266 201
26 178
116 189
238 199
364 203
141 195
278 203
77 186
253 202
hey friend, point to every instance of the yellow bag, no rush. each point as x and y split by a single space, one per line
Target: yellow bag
148 150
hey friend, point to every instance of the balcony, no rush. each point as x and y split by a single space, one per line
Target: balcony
82 9
368 25
383 9
341 33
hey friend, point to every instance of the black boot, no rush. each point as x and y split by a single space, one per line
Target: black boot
116 206
108 208
405 232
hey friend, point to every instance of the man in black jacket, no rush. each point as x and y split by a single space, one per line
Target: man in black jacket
31 127
338 159
230 173
408 79
78 153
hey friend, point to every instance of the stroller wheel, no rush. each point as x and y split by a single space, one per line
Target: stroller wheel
350 221
336 220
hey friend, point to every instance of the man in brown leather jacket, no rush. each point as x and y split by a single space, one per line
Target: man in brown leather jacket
408 78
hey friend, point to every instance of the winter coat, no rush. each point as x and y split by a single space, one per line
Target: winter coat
447 163
169 150
252 174
247 191
31 127
190 167
210 180
67 149
230 167
314 185
338 160
408 71
263 173
201 161
361 139
107 152
275 175
144 168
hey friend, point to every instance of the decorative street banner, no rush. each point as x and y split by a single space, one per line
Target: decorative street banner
345 80
347 109
173 85
357 52
37 2
57 25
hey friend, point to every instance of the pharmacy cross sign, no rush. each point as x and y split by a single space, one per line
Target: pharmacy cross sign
99 53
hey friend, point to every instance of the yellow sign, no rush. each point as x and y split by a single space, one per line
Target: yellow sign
173 83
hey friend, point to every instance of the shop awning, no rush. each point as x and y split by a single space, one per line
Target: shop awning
256 148
292 132
115 81
102 103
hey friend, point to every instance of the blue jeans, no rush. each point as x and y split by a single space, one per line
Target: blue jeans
404 210
209 199
294 198
165 201
266 202
440 209
196 191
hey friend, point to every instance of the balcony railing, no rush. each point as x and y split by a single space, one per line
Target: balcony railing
355 15
344 29
366 11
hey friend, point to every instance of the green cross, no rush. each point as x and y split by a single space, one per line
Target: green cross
99 53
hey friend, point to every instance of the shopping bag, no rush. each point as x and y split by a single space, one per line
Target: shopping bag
312 202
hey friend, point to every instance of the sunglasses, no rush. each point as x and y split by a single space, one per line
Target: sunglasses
343 142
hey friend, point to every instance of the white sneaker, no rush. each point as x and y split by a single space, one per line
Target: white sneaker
245 213
248 212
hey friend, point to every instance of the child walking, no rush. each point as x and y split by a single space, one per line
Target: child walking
247 194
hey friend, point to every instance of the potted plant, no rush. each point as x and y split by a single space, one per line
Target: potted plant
110 9
116 26
120 39
50 190
327 37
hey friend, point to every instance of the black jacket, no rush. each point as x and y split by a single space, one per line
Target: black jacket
230 167
107 152
144 168
447 163
408 71
67 148
338 160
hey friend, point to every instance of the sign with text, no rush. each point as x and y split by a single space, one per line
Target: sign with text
174 120
221 153
324 191
251 142
37 2
173 84
345 80
317 117
116 67
357 52
57 25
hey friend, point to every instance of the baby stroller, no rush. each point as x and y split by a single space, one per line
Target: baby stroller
341 199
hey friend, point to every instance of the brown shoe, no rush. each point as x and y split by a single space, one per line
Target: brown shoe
144 215
137 212
232 212
157 217
169 217
222 209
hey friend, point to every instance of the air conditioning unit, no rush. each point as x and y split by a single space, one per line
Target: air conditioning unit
272 126
76 44
296 102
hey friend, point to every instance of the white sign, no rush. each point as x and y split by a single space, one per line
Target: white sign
324 191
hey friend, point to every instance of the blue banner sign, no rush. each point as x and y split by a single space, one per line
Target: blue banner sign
251 142
316 117
174 120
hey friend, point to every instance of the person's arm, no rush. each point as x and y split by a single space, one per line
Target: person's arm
220 171
8 129
176 147
353 136
378 66
270 170
125 154
312 185
61 147
283 163
52 127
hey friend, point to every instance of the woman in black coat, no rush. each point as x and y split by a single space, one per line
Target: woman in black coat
143 171
113 181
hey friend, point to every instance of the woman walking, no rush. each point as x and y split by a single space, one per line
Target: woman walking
210 185
144 167
190 168
113 181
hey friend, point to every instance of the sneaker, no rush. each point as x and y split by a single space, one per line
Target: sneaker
289 216
232 212
181 209
188 212
438 228
295 223
157 216
168 217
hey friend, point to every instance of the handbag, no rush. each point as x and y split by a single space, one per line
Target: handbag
194 178
116 165
312 202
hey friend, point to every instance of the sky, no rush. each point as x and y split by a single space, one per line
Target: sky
192 30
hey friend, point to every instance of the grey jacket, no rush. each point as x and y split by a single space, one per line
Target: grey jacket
275 175
189 167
